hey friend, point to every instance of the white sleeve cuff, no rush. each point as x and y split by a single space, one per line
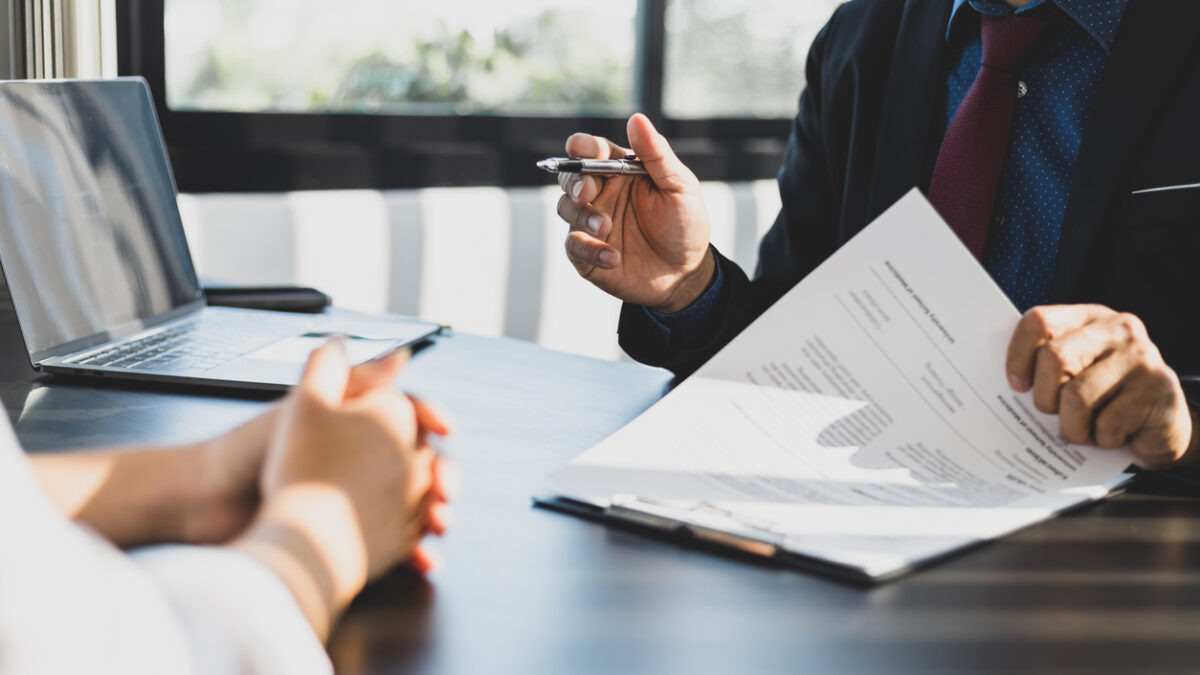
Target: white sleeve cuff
239 616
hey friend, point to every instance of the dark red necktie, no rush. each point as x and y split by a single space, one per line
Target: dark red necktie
966 178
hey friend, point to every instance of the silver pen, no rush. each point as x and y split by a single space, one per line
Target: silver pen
629 166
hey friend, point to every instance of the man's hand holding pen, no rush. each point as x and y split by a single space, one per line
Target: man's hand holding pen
643 241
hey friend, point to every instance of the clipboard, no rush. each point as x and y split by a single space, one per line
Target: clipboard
853 419
646 518
643 517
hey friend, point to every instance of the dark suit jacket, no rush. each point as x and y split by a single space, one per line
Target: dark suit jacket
864 136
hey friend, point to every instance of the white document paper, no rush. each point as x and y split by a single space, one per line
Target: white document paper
864 420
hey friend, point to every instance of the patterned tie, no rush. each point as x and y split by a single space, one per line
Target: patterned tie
966 178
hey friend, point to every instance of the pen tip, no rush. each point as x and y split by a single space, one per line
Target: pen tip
548 165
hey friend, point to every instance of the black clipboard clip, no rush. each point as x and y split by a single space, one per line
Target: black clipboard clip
705 527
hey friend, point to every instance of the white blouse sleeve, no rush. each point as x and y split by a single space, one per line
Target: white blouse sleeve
238 616
71 603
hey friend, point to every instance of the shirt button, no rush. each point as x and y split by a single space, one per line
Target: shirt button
1022 89
999 219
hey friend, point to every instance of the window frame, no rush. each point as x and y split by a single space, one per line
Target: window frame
271 152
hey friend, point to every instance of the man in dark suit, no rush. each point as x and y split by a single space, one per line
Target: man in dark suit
1058 138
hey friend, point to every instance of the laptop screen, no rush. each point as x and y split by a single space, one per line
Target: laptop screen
90 236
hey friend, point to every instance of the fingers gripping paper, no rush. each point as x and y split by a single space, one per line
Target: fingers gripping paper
864 420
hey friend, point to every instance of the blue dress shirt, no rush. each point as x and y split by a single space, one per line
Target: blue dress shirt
1060 88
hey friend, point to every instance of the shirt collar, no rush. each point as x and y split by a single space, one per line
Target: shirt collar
1100 18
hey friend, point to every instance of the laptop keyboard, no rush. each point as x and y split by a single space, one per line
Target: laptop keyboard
193 346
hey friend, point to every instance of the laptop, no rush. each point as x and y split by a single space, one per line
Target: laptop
95 257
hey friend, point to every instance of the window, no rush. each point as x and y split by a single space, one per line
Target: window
268 95
455 58
738 58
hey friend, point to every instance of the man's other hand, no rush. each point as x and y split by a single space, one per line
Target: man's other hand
1099 372
642 240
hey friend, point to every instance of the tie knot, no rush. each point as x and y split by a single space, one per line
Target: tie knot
1009 40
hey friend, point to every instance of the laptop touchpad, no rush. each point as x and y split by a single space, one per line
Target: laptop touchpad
296 349
282 362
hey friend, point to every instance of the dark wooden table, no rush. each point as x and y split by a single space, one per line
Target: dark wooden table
1112 588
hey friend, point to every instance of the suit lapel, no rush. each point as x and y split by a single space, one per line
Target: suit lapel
1151 47
910 114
